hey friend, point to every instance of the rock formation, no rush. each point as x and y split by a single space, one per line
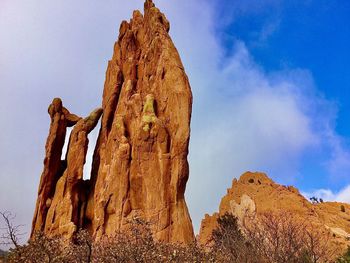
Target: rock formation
66 208
53 165
255 194
140 166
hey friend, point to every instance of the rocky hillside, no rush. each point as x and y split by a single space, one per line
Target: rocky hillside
140 167
255 194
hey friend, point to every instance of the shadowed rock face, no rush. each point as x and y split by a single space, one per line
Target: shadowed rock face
140 166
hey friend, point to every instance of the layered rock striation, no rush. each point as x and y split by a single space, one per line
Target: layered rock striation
140 167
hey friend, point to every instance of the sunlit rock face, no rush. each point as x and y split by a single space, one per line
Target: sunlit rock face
140 167
254 194
54 167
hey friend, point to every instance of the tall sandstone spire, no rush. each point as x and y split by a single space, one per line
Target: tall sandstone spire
140 167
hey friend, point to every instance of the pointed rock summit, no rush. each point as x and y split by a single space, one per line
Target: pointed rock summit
140 167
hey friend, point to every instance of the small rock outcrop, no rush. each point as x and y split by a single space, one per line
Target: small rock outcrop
140 166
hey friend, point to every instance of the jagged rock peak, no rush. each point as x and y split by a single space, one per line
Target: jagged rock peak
142 149
140 166
148 4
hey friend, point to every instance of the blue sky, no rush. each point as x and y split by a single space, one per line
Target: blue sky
270 80
312 35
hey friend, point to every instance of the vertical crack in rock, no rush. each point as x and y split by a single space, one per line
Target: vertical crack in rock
140 166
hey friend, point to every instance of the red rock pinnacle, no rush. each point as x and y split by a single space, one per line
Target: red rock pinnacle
140 166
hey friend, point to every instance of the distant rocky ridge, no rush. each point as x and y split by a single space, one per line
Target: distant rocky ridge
254 194
140 167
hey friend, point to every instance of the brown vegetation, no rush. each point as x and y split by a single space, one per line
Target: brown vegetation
10 233
135 245
275 238
281 237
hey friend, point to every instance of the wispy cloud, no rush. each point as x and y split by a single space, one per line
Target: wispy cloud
339 163
244 117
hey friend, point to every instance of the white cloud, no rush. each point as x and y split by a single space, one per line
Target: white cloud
325 194
245 118
250 123
339 163
328 195
343 195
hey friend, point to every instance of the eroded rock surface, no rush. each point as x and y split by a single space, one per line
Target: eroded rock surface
54 167
140 166
67 207
255 194
140 163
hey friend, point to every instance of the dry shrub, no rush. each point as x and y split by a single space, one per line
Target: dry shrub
135 245
139 246
273 238
10 232
282 237
80 249
38 250
231 245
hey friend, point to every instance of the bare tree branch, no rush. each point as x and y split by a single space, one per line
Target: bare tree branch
11 233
